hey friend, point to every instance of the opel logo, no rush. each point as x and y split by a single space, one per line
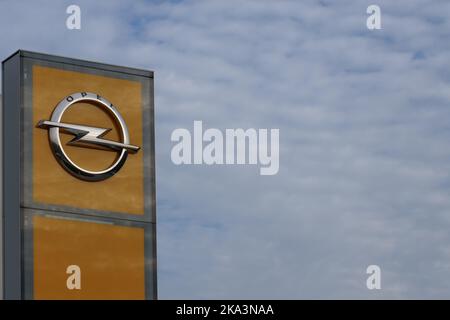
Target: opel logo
85 135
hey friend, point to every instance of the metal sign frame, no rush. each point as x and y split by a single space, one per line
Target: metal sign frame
18 203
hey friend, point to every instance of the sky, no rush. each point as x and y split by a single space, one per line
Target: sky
363 115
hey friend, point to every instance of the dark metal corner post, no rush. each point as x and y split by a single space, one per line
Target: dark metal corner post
11 140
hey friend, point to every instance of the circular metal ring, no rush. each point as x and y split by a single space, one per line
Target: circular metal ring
62 156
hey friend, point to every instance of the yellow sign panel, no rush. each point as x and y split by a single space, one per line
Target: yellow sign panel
52 185
87 260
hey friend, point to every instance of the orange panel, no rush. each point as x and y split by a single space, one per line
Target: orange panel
110 257
124 192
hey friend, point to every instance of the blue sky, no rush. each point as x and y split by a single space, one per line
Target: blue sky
364 133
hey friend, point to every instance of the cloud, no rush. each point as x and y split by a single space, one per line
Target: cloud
364 171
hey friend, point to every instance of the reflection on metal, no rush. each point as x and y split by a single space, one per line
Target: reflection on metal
87 135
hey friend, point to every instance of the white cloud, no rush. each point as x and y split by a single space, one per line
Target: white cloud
364 171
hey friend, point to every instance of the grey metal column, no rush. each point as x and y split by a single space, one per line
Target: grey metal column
12 227
1 204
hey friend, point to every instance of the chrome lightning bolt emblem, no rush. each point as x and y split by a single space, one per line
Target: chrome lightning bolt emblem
86 135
